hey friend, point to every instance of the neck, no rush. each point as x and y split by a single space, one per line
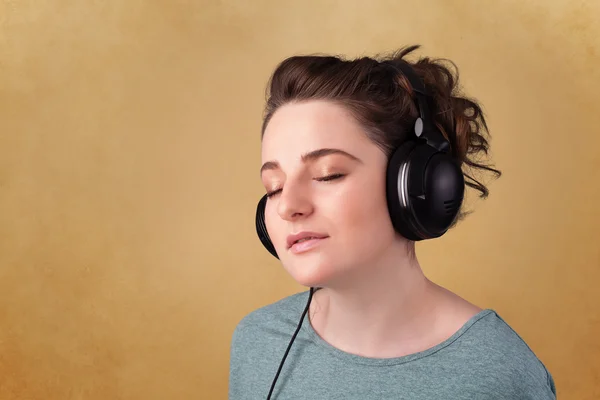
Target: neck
369 315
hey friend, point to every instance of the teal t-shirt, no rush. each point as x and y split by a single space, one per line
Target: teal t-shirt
485 359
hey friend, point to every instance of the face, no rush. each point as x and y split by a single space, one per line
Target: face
327 181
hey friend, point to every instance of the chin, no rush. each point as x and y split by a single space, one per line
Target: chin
311 271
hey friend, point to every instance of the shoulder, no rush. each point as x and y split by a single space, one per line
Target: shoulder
497 347
261 336
488 331
281 315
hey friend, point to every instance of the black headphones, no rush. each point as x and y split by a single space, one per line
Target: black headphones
425 185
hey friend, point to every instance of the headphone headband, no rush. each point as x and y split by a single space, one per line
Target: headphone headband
428 130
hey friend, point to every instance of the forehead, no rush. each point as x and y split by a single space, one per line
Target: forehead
296 128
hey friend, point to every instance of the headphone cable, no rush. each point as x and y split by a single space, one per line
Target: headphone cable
290 344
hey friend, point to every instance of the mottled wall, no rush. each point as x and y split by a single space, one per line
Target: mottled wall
129 156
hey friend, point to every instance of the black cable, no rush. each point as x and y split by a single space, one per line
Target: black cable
290 344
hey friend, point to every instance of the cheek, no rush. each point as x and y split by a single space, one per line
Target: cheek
360 216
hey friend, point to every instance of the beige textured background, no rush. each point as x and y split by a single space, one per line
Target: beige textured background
129 156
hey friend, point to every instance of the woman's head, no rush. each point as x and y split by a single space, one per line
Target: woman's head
329 129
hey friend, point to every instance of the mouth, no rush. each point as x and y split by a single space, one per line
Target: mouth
304 241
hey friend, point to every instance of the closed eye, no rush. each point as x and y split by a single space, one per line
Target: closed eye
320 179
329 177
273 193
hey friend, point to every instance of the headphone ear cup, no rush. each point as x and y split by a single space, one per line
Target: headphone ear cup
261 227
444 186
425 190
398 199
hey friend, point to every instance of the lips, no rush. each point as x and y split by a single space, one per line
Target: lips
303 236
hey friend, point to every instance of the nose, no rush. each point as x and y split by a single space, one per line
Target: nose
294 203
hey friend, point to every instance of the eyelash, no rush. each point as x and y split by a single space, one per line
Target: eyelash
322 179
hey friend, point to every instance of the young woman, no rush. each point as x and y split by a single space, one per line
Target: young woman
361 159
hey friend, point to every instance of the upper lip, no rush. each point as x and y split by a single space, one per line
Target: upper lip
291 239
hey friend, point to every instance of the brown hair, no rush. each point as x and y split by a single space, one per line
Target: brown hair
380 99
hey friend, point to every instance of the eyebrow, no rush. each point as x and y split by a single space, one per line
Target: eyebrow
310 157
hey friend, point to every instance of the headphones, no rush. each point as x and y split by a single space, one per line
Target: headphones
424 185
